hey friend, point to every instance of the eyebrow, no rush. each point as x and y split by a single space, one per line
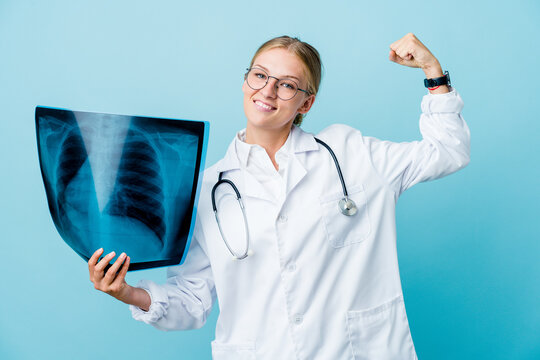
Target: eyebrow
285 76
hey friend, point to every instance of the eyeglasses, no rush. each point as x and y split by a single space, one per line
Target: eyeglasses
258 78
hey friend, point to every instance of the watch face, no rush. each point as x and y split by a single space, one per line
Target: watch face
124 183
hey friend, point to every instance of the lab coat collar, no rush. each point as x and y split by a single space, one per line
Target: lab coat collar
249 185
242 148
302 141
230 160
235 156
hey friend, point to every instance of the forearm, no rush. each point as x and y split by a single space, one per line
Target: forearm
137 297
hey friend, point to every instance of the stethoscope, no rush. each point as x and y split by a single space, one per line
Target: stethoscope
346 205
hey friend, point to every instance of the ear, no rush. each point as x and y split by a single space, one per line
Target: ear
306 105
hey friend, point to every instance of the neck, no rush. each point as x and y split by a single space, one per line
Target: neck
270 139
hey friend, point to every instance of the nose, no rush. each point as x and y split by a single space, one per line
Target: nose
270 89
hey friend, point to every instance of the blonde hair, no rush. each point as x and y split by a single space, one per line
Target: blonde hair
306 53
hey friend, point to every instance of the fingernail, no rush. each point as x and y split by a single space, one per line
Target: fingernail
123 255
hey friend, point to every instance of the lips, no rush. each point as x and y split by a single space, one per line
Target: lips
263 106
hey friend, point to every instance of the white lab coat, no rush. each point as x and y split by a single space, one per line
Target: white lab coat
320 285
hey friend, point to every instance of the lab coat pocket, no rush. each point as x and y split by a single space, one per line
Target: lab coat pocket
233 351
341 229
381 332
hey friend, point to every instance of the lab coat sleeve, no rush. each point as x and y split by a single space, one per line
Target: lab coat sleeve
186 299
444 148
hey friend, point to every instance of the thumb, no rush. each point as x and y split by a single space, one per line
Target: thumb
399 60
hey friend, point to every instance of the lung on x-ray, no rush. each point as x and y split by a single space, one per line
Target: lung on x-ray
125 183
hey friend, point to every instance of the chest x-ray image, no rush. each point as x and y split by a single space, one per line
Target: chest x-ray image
125 183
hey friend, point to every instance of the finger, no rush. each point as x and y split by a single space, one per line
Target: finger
104 262
402 51
398 60
95 256
92 262
122 274
410 51
406 53
393 57
111 273
395 45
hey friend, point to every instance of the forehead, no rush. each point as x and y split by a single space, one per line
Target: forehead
280 62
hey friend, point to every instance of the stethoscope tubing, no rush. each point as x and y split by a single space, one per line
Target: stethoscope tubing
239 199
336 162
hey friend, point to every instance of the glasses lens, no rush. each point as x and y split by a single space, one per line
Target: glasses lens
256 78
287 88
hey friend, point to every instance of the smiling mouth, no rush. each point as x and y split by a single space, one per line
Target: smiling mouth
263 106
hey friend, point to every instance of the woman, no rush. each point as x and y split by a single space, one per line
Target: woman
322 279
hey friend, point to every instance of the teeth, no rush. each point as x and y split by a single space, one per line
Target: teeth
261 104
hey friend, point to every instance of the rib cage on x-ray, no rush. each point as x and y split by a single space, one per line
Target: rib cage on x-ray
124 183
138 191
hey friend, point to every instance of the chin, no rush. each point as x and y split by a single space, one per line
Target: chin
268 121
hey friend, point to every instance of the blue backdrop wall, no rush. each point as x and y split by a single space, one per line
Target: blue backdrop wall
469 244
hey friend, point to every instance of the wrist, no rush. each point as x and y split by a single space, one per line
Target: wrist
138 297
126 294
433 70
443 89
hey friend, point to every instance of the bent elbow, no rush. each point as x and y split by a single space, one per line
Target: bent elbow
460 161
466 161
465 155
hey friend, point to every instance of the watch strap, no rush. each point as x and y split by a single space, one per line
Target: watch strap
443 80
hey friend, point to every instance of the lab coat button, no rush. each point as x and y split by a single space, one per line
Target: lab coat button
282 218
297 319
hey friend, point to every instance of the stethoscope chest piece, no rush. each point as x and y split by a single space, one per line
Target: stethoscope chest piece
347 206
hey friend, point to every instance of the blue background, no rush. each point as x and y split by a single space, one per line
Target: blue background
469 247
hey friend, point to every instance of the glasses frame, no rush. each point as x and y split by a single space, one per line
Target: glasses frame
278 80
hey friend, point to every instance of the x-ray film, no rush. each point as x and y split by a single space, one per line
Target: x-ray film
124 183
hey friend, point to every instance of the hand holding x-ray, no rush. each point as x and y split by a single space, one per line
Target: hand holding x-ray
111 279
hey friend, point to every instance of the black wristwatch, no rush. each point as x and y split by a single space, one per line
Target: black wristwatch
443 80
